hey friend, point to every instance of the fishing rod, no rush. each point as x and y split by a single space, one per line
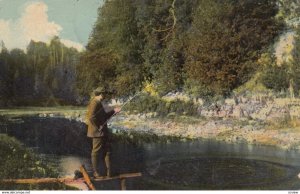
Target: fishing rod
138 93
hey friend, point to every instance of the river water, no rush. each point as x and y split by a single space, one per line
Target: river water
189 164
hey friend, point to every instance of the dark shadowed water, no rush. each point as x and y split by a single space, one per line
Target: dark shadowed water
197 165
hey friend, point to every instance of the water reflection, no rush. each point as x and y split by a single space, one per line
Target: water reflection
69 164
204 164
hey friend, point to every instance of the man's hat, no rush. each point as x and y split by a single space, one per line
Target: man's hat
98 91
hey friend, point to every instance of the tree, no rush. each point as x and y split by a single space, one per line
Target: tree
226 40
276 78
290 11
21 76
115 45
4 90
295 64
165 26
145 40
60 74
287 76
38 60
210 47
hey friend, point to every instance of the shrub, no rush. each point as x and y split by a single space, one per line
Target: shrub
276 78
146 103
19 162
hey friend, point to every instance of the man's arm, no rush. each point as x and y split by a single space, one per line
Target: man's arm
98 116
109 114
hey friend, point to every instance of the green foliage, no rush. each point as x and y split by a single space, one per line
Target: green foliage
114 49
146 103
286 76
18 162
296 50
147 46
140 138
289 9
44 75
295 63
4 77
224 45
196 89
276 78
207 48
166 39
255 84
95 69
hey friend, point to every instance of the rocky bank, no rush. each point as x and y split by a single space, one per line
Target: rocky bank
255 120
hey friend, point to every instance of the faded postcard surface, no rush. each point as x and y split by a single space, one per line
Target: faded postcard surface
149 95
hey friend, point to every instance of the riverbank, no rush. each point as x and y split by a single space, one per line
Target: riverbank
256 120
18 162
228 130
253 120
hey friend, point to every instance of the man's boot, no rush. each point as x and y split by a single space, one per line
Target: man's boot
95 166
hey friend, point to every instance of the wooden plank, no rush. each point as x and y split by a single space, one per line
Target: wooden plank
78 183
36 180
121 176
87 178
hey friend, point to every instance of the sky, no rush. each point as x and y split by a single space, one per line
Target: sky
24 20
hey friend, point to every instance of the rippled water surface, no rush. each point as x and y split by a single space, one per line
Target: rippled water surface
197 165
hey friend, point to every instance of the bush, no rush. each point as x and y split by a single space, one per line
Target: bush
147 103
19 162
276 78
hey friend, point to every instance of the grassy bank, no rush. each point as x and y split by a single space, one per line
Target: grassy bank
16 161
43 110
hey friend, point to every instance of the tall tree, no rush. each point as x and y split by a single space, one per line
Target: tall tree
295 64
38 59
209 46
145 41
115 45
165 25
226 40
21 75
4 90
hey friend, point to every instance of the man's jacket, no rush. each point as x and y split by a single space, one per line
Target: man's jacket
96 117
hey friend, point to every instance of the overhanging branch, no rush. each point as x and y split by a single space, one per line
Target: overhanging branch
172 27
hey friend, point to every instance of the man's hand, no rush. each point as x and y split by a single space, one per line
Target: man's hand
117 110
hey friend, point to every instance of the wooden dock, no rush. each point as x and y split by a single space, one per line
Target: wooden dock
79 183
87 178
121 177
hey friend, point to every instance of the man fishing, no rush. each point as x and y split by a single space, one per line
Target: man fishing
97 118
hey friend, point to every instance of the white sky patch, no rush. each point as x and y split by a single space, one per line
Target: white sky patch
34 25
5 31
69 43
